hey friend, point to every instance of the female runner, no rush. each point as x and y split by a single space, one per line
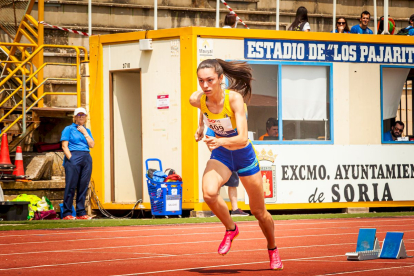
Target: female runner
224 113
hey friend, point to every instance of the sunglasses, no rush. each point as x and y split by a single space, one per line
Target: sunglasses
398 129
81 115
341 23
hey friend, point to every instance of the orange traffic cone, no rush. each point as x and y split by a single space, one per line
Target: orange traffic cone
19 170
5 162
6 166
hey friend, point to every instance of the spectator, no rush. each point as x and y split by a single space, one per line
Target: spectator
408 30
397 129
391 26
272 130
362 28
230 21
76 141
301 21
341 26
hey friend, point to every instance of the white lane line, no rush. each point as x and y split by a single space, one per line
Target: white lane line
215 266
138 258
86 232
159 244
181 255
189 226
346 261
366 270
185 234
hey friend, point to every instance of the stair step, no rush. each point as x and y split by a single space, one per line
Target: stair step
11 121
68 82
249 1
99 29
46 111
52 54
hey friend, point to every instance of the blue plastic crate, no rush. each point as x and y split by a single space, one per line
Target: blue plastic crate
165 197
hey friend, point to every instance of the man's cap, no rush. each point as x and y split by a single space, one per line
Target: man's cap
80 110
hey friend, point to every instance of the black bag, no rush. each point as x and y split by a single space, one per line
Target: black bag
404 31
299 27
150 173
169 171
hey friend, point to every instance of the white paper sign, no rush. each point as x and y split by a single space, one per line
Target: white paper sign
205 48
163 102
172 205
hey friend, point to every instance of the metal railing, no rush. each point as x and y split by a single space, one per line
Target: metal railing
29 76
11 13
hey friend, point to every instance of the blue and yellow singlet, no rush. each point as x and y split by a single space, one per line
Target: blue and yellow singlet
224 123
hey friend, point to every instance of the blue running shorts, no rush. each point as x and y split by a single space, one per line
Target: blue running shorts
243 161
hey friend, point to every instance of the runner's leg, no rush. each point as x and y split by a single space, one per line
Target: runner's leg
254 188
215 175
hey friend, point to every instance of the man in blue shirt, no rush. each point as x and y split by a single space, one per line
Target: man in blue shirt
397 129
362 28
409 30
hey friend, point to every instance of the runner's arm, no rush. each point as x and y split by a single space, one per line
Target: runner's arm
200 130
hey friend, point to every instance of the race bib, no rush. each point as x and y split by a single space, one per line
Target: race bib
221 127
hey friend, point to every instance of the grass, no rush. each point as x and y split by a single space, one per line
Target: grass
59 224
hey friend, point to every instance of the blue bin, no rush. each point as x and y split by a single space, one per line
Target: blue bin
61 212
165 197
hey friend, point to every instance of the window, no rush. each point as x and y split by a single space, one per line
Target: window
397 103
263 105
290 103
305 102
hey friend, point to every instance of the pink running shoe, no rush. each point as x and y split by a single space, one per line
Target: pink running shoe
225 245
275 261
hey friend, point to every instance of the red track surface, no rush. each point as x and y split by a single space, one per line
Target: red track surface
307 247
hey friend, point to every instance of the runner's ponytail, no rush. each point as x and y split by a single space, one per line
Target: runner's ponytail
238 73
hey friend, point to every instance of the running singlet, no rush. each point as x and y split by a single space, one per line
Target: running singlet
224 123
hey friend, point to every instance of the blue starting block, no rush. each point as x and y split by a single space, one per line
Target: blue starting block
393 246
367 248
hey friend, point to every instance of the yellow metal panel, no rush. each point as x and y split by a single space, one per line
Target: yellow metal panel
189 118
331 205
38 61
289 35
121 38
203 206
125 206
96 113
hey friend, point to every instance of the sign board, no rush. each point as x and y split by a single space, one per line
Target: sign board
172 203
331 173
163 102
329 51
205 49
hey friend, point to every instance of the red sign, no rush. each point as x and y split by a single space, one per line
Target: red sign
163 102
267 176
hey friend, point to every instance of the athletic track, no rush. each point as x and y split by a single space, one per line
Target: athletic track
307 247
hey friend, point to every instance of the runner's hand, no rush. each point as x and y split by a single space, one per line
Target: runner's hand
212 142
199 134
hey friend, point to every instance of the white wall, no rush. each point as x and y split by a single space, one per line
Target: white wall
161 128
